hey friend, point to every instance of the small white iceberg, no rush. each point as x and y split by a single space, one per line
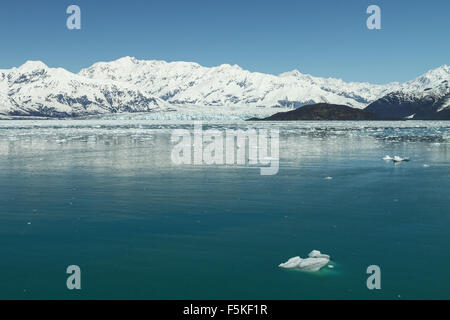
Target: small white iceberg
400 159
318 254
395 159
315 261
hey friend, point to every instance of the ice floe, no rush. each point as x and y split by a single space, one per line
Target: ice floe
395 159
315 261
400 159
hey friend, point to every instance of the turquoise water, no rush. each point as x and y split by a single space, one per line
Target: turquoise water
105 195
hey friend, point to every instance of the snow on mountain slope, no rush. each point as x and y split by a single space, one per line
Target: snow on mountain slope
131 85
189 83
37 90
433 79
427 97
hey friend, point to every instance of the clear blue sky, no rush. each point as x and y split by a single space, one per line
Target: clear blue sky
320 37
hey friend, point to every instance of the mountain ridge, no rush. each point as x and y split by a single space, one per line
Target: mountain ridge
131 85
430 101
320 112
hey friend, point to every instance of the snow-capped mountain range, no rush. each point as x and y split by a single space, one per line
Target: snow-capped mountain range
131 85
35 89
427 97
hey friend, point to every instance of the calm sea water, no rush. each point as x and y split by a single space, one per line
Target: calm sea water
105 195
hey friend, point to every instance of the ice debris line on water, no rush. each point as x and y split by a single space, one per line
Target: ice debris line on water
315 261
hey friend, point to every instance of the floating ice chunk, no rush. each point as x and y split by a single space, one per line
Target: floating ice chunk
400 159
318 254
395 159
291 263
313 264
328 178
426 165
315 261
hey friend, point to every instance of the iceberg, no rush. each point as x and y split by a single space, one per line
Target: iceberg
291 263
395 159
400 159
315 261
318 254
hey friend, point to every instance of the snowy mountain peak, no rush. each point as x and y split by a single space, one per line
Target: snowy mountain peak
435 75
433 82
426 97
226 66
31 65
294 73
128 58
127 61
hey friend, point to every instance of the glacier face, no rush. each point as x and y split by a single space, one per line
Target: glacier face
131 85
